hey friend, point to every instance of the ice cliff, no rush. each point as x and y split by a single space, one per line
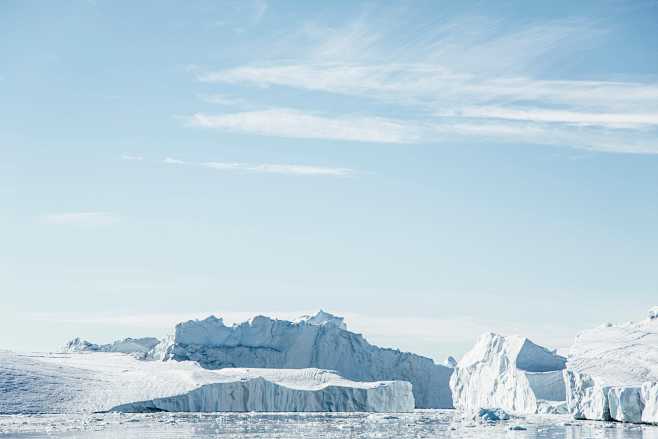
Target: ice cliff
612 372
101 381
290 390
511 373
321 341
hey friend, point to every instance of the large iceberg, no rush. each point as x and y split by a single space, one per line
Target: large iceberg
321 341
511 373
99 381
612 372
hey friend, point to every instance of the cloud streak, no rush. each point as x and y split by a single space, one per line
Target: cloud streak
605 133
284 122
485 83
268 168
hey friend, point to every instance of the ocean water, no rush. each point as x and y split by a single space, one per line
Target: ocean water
420 424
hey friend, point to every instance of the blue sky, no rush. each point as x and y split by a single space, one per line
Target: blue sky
431 170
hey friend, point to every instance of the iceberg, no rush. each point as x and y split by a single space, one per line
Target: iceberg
510 373
140 347
612 372
91 381
321 341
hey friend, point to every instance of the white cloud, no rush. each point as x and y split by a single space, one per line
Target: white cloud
572 130
433 85
285 122
470 77
612 120
81 218
131 157
269 168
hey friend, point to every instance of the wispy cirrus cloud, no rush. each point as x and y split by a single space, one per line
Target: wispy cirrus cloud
267 168
284 122
87 219
610 120
470 77
581 131
431 85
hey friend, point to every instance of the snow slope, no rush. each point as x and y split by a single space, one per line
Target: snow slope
99 381
320 341
612 372
511 373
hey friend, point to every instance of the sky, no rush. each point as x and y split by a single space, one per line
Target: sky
431 170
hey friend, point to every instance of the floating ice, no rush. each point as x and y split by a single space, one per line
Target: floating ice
612 372
511 373
319 341
98 381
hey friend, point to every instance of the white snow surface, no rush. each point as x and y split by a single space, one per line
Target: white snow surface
99 381
321 341
612 372
510 373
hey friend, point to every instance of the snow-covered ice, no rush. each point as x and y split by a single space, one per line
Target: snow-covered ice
510 373
320 341
100 381
140 347
612 372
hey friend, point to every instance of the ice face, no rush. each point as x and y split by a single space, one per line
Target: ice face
511 373
612 372
250 392
99 381
320 341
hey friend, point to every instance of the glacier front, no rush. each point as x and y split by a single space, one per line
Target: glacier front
612 372
510 373
320 341
98 381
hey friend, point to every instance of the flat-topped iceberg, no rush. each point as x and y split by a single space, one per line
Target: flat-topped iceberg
321 341
612 372
510 373
99 381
